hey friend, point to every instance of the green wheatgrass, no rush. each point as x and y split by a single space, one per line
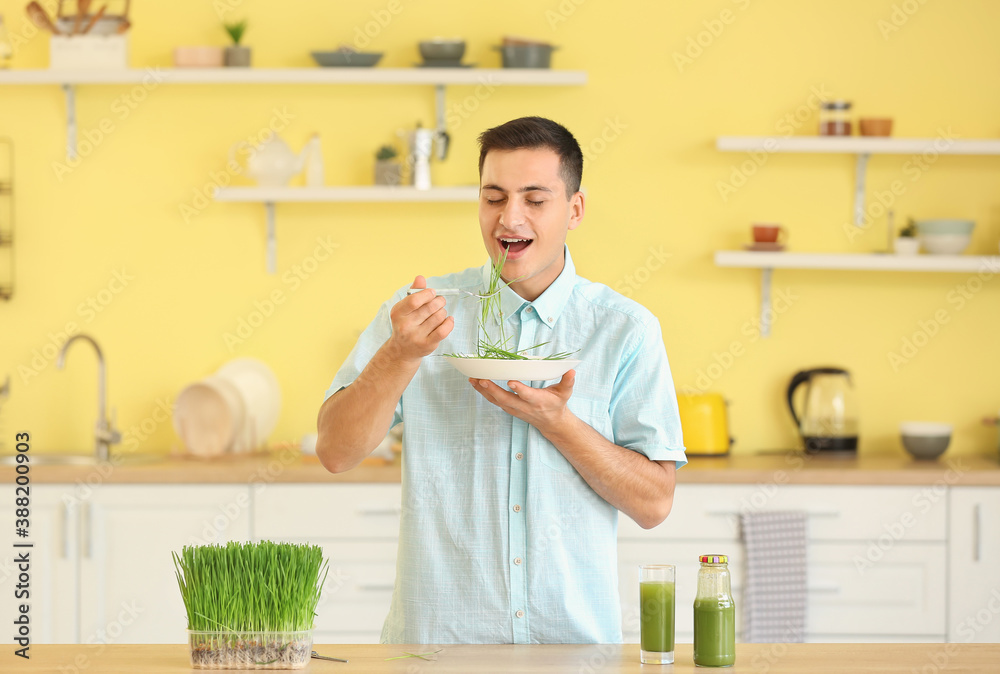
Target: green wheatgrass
251 587
490 308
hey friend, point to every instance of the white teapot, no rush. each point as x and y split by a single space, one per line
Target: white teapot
271 163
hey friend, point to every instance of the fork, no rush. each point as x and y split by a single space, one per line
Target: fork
454 291
326 657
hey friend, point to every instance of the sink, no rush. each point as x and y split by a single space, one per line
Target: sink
124 459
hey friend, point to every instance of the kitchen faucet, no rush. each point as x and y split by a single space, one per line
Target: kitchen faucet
105 433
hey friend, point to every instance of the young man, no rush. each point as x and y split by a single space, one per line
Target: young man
511 493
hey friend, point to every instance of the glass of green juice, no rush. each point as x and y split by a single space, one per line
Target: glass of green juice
656 614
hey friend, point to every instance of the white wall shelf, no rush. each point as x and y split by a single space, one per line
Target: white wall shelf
768 261
857 261
862 146
417 76
855 145
360 193
269 196
439 78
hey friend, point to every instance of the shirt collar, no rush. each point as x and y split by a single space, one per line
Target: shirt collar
549 305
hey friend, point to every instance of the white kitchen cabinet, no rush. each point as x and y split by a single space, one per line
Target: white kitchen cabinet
898 597
357 525
128 590
875 555
101 566
881 566
52 576
974 565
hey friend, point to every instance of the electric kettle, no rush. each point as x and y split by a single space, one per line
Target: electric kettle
828 421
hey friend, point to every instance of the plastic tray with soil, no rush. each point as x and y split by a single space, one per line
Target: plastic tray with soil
250 650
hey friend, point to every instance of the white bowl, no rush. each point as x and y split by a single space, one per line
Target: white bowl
945 226
945 244
925 440
924 429
532 369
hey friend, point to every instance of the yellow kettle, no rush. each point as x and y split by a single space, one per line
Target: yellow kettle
704 423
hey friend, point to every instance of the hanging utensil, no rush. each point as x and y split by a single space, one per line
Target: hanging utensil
94 19
82 8
40 18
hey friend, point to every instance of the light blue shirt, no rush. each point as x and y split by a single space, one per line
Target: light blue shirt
501 540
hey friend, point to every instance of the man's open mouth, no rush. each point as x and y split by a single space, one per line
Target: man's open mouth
514 245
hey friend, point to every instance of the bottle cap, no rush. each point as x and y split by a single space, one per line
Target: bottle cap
714 559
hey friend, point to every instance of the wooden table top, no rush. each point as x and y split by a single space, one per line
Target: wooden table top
290 466
589 659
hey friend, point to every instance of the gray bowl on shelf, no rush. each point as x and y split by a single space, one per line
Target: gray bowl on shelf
442 50
526 56
925 440
346 59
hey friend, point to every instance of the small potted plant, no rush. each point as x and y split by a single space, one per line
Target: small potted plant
907 242
250 605
237 56
388 171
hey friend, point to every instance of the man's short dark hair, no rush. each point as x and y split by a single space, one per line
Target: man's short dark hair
530 133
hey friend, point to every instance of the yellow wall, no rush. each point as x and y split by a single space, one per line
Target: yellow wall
654 186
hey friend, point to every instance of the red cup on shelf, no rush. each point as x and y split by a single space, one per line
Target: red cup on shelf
768 232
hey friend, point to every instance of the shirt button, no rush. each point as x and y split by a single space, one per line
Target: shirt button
519 456
517 508
520 614
550 319
529 311
517 561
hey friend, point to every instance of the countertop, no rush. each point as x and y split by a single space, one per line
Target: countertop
589 659
781 468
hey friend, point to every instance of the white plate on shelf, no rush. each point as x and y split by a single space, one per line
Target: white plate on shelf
532 369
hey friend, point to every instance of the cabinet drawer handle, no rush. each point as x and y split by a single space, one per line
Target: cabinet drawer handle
64 526
375 587
976 537
379 511
87 533
828 587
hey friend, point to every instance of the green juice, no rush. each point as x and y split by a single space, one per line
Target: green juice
656 599
714 632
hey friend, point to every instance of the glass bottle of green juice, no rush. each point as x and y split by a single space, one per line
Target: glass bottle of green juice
714 614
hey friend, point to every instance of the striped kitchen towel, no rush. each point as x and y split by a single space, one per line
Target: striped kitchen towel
774 598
